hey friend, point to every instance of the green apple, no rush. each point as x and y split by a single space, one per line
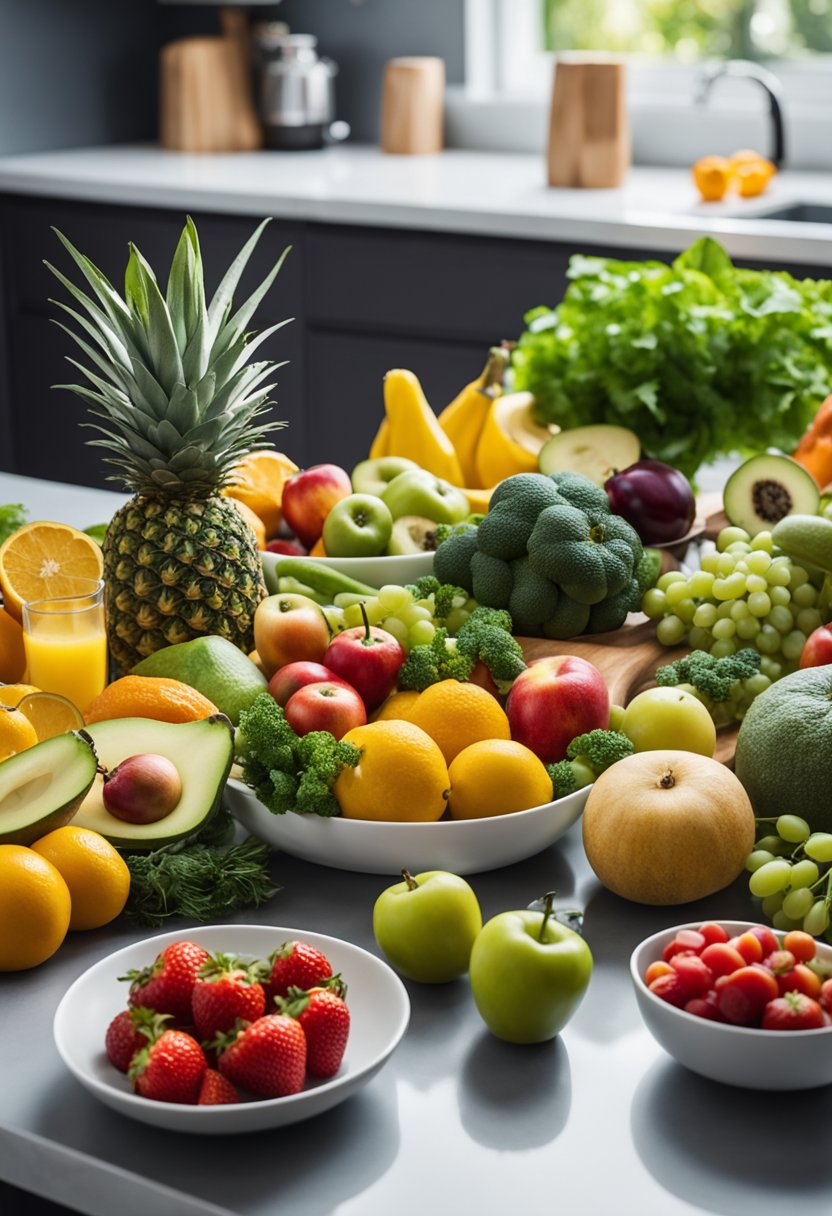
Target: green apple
357 526
418 492
529 974
425 926
374 476
660 718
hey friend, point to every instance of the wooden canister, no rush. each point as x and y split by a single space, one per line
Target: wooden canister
412 106
589 134
205 102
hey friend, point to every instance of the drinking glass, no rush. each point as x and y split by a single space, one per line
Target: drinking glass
66 642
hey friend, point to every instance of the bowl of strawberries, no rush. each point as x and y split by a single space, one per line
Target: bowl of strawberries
739 1003
230 1028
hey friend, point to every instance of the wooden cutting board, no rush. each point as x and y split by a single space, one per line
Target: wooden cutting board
627 659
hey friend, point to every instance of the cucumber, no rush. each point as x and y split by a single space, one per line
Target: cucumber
346 599
293 586
324 579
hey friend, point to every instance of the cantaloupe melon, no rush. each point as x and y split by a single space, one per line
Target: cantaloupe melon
784 748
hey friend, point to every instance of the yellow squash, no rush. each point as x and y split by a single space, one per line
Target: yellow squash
463 420
413 428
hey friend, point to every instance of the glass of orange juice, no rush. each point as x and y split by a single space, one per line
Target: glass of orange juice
66 642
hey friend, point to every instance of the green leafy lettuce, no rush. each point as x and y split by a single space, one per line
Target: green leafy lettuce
699 358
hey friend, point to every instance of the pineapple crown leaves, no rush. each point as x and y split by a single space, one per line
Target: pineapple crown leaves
170 381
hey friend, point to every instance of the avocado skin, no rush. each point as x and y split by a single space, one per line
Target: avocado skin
60 815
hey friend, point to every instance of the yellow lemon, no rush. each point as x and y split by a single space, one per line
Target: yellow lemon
95 873
400 778
496 777
34 908
16 732
456 714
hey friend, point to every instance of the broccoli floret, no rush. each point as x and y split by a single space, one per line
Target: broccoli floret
715 678
568 776
440 659
486 635
426 586
288 772
599 749
446 598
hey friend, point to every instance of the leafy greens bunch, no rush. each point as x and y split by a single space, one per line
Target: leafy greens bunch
698 358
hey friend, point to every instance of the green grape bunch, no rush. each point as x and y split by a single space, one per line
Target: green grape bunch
791 874
747 593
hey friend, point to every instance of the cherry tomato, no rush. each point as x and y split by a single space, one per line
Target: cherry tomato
743 995
749 946
800 979
695 976
670 989
826 994
802 945
794 1011
702 1008
685 941
767 939
712 932
722 959
655 970
781 961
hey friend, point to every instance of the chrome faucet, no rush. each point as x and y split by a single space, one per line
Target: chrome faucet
767 80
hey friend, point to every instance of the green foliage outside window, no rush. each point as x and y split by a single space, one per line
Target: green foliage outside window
690 29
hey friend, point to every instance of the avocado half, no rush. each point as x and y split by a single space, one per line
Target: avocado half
202 753
42 788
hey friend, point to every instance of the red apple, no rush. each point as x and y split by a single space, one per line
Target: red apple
288 629
333 707
554 700
818 649
289 548
309 496
287 680
369 659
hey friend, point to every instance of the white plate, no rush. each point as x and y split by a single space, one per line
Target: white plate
379 1013
374 571
464 846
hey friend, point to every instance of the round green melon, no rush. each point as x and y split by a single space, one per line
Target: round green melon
784 749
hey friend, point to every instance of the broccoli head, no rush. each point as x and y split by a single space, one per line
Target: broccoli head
440 659
714 678
599 749
452 560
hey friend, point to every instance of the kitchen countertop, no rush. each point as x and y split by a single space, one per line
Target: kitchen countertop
458 191
599 1120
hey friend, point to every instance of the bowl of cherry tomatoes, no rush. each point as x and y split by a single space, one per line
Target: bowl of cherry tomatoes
739 1003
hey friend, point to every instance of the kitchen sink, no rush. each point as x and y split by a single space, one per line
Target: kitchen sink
799 213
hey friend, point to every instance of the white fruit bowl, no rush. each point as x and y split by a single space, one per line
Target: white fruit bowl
379 1014
735 1055
375 571
463 846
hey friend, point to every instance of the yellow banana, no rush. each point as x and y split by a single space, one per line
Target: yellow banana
463 420
511 440
478 499
381 444
414 431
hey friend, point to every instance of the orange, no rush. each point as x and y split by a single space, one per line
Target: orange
97 876
50 714
41 561
456 714
150 697
258 480
12 654
254 522
712 176
16 733
496 777
742 157
400 778
318 549
13 694
752 177
34 908
397 707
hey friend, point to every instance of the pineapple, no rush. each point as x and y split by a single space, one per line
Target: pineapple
176 401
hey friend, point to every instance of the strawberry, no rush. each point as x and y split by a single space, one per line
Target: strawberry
216 1090
170 1068
296 965
226 989
266 1057
325 1019
167 984
128 1032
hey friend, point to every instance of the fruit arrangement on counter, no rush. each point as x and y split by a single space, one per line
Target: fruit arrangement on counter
489 673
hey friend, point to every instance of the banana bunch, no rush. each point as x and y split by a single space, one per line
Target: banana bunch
482 437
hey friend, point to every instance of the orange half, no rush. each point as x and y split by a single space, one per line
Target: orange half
50 714
41 561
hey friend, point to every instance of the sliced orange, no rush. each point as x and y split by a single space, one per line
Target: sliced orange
12 654
258 481
50 714
42 560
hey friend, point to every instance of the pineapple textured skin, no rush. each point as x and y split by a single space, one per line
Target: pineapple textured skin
178 570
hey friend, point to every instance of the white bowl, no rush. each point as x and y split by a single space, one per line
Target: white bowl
463 846
735 1055
379 1013
374 571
